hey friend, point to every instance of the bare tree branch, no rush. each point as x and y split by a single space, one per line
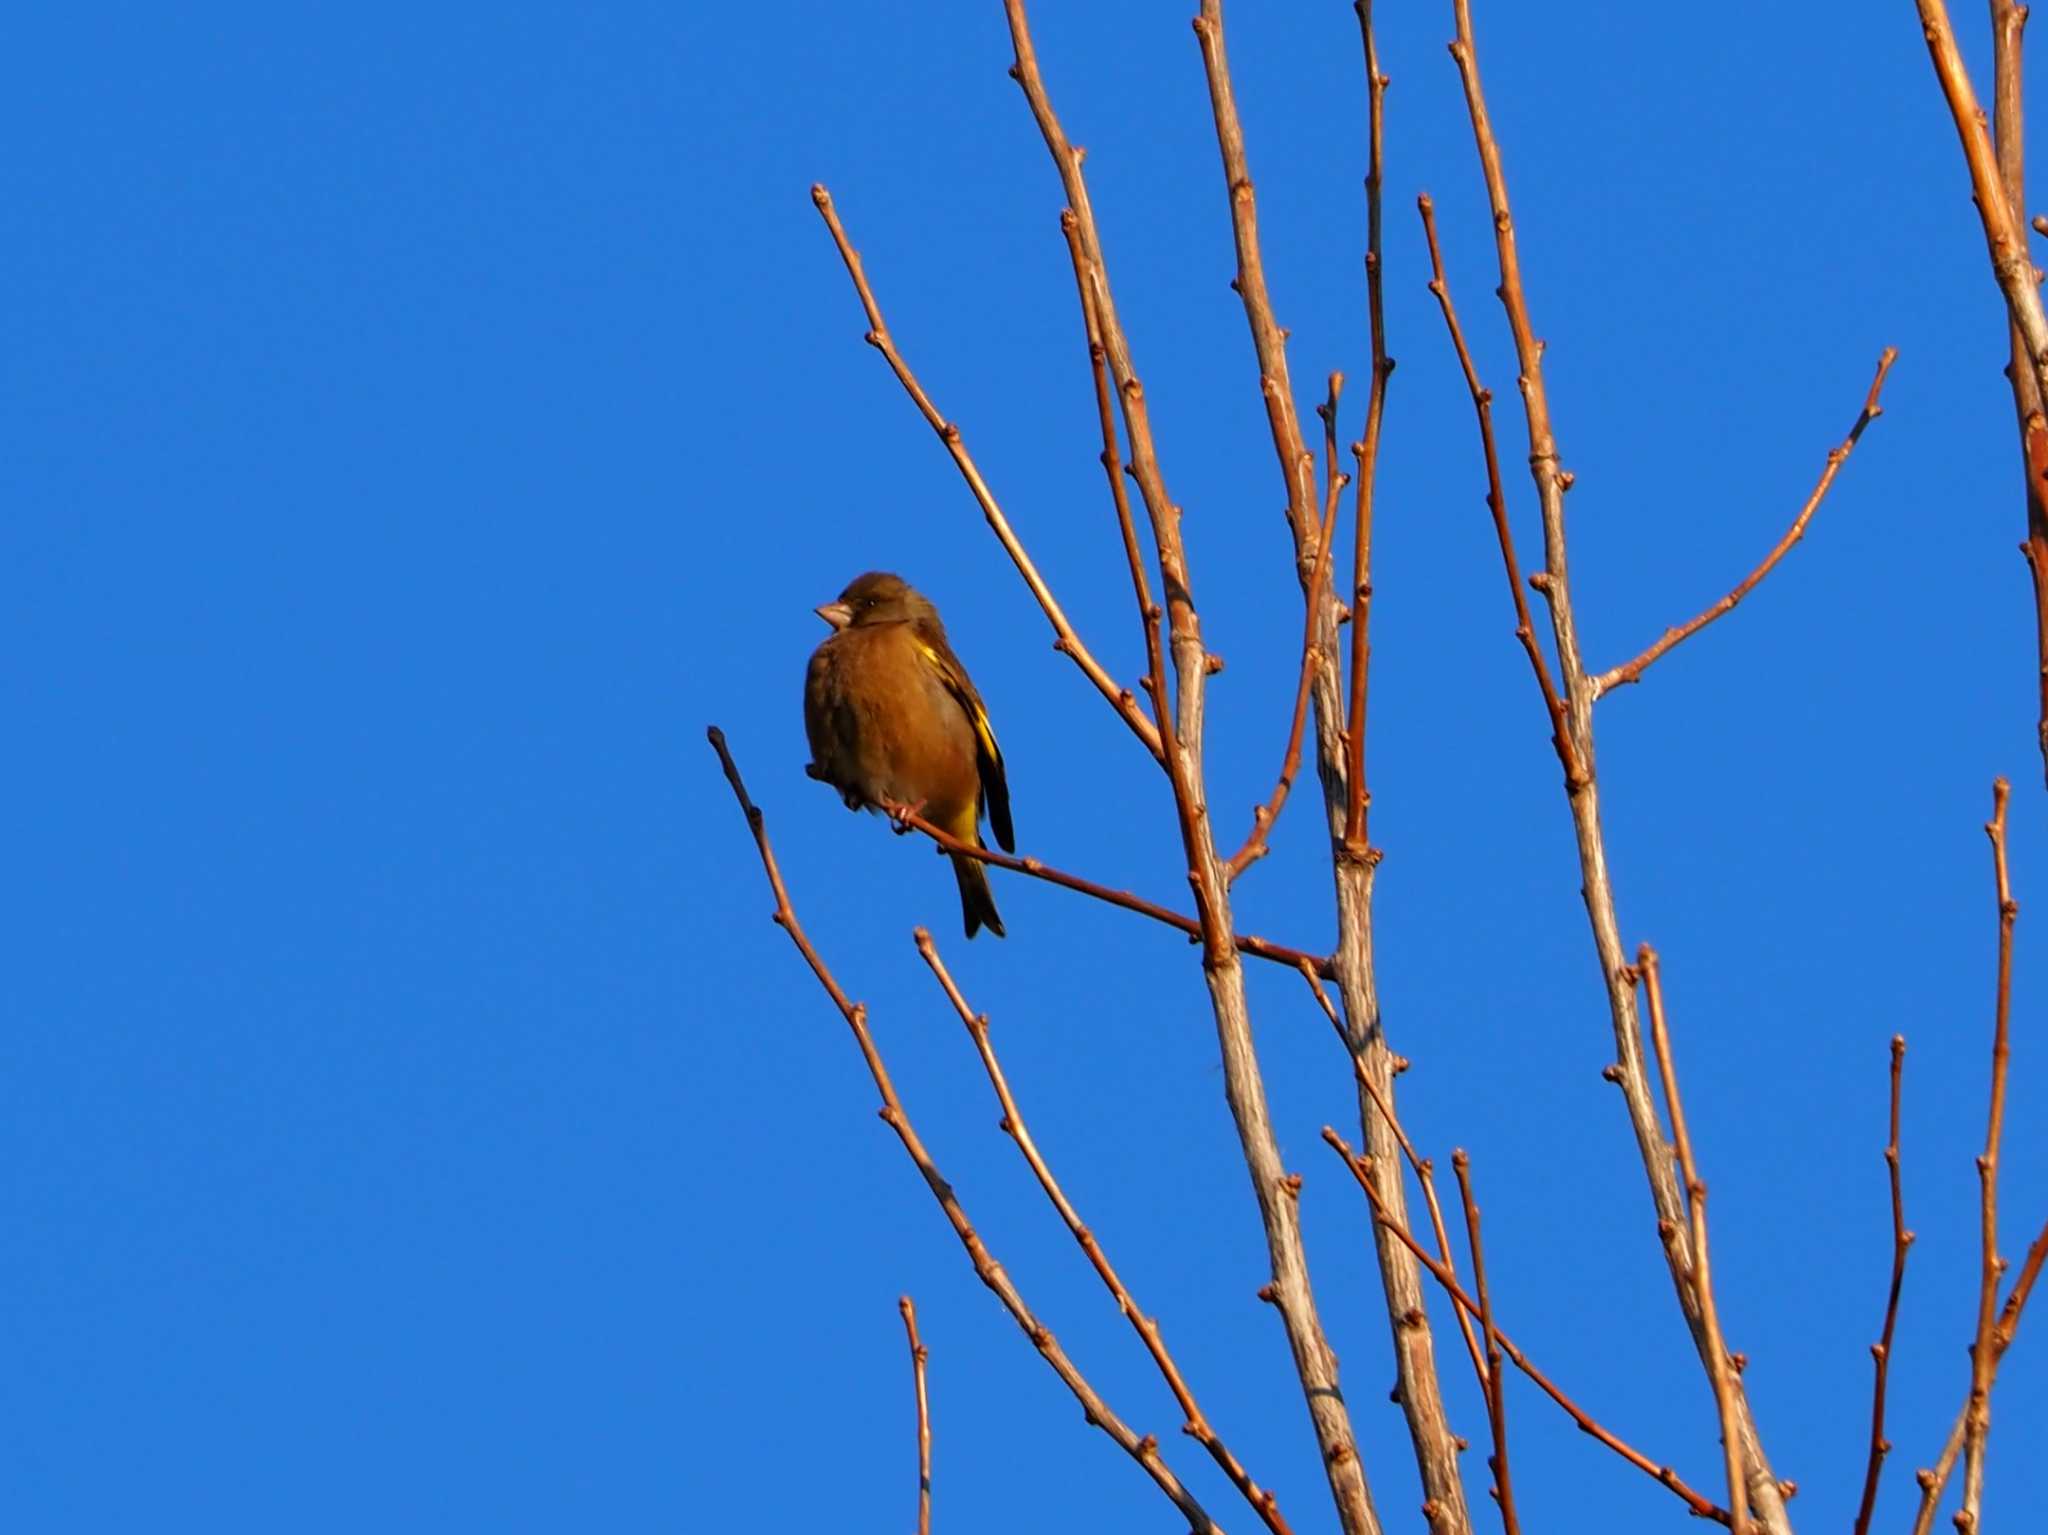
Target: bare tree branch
1264 816
1149 612
1996 1326
2004 234
1719 1370
1144 1450
1197 1426
1983 1351
1881 1351
1245 943
1764 1494
1367 449
1383 1219
1632 671
1065 639
1276 1191
1340 762
918 1355
1496 501
1424 1168
1496 1390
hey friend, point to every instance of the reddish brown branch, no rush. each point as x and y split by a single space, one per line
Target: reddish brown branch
1632 671
1367 450
918 1355
1245 943
1264 816
2022 1287
1881 1351
1983 1351
1719 1370
2008 27
1197 1426
1065 639
1996 1326
2005 237
1149 612
1496 501
1361 1170
1144 1450
1997 169
1496 1394
1424 1169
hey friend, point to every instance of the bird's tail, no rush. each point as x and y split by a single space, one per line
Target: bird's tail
977 903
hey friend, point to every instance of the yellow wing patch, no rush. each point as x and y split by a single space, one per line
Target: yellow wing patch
961 689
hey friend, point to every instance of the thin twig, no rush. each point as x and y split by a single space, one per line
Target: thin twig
1144 1450
1881 1351
1719 1369
1996 1326
1361 1170
1983 1352
1366 450
1197 1426
918 1355
1149 612
1632 671
1496 1392
1496 499
1264 816
1065 639
1245 943
1423 1167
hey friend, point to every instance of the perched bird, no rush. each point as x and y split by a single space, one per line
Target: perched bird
895 725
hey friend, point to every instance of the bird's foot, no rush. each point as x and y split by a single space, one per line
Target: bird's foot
899 814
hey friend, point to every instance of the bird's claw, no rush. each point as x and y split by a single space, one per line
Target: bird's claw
899 814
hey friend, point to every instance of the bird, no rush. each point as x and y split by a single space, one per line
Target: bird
895 725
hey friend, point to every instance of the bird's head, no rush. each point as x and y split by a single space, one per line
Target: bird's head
878 598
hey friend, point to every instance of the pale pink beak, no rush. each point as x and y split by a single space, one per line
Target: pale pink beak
837 614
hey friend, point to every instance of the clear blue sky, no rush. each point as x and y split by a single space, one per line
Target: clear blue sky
421 423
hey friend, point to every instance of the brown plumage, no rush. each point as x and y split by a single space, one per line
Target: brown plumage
895 723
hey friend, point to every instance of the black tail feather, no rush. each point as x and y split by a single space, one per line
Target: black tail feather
977 903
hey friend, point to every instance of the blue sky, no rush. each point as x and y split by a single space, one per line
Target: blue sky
421 424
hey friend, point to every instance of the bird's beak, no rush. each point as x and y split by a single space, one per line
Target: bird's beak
837 614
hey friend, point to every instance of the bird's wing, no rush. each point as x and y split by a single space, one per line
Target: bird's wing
988 757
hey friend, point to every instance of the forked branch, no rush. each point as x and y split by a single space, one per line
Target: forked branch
1361 1170
1274 1189
1632 671
1197 1426
1256 843
1143 1449
1244 943
1764 1494
1496 501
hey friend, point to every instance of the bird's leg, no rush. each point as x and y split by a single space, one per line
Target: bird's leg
899 814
